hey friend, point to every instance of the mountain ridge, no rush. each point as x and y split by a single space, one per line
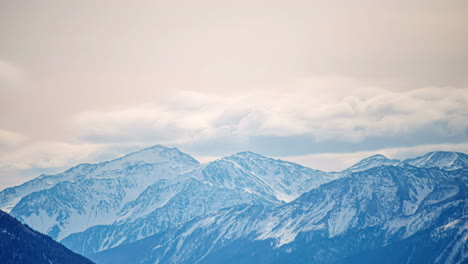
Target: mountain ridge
94 208
329 215
448 160
237 175
21 244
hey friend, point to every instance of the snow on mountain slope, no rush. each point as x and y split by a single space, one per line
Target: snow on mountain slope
267 177
9 197
153 155
441 159
456 232
373 197
372 162
155 196
97 197
244 178
156 191
117 196
194 199
366 211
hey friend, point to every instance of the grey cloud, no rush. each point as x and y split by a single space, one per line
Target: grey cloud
291 123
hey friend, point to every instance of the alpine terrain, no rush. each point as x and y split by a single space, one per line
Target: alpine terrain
160 205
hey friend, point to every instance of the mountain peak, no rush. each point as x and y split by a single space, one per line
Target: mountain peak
441 154
376 157
155 148
158 146
157 153
373 161
248 154
245 155
442 159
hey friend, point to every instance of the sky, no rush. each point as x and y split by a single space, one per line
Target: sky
321 83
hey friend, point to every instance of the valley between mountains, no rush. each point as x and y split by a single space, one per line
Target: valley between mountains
160 205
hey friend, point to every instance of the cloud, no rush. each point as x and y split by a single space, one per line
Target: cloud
9 139
11 76
233 55
46 154
26 160
340 117
324 109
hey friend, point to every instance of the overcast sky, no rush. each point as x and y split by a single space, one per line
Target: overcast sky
323 83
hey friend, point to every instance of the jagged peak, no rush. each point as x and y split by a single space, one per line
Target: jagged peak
440 152
160 147
154 148
441 159
373 161
245 155
150 152
248 154
376 157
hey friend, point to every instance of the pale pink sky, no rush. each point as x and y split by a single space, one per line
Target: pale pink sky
311 81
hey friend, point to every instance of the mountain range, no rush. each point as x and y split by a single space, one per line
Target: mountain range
160 205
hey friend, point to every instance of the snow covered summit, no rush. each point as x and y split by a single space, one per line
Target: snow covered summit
442 159
373 161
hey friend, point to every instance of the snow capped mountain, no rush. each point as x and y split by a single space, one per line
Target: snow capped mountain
11 196
150 156
372 162
194 199
441 159
90 195
243 178
166 206
378 209
267 177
